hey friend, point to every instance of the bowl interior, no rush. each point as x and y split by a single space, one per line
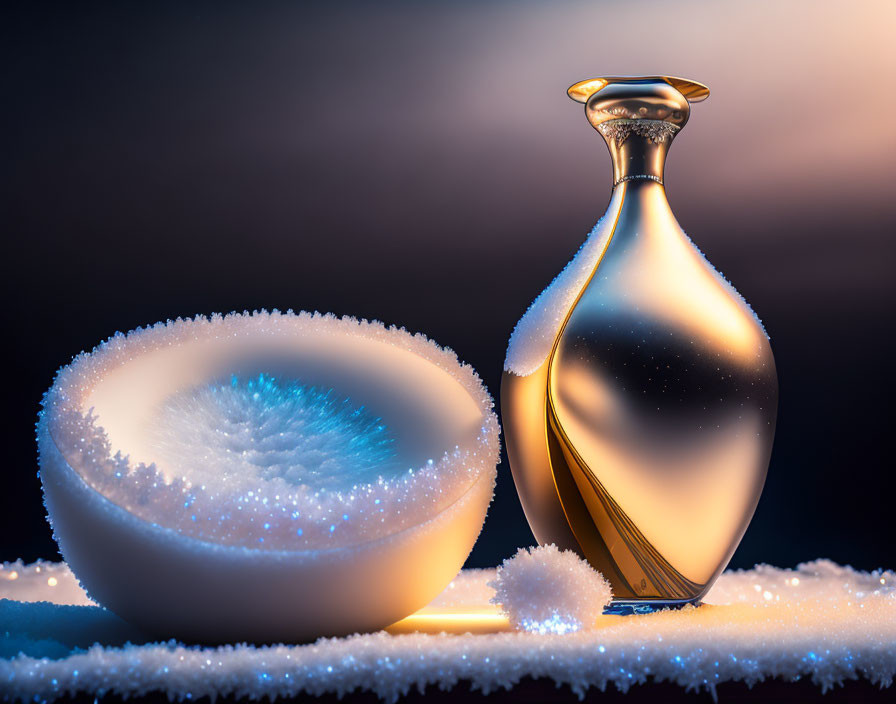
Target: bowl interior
426 410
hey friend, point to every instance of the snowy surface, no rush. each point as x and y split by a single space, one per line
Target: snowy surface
548 590
821 621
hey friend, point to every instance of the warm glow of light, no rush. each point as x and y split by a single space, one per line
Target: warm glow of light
470 618
467 619
52 581
457 617
13 575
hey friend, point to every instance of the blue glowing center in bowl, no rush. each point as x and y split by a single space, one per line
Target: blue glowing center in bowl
266 429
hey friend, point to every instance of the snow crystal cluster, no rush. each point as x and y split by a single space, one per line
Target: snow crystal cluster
534 334
546 590
264 462
820 621
249 431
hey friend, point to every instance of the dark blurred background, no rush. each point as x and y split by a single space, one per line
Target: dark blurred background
419 163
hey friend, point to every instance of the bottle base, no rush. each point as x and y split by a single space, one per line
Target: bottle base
627 607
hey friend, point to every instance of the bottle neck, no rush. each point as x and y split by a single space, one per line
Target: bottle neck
638 148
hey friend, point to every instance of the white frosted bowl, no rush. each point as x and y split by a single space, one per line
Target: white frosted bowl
266 477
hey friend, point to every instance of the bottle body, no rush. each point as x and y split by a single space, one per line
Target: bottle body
639 401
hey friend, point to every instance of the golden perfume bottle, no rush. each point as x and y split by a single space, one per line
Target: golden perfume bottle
639 393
